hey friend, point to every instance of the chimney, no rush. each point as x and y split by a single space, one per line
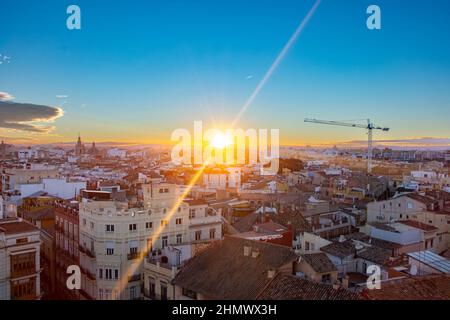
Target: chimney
255 254
270 273
336 285
247 251
345 281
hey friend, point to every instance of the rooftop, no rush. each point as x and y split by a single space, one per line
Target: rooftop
432 260
290 287
15 225
434 287
319 262
230 274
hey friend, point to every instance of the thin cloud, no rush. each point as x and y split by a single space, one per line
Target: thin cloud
4 96
62 96
28 117
4 59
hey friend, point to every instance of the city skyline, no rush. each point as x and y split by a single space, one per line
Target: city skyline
134 75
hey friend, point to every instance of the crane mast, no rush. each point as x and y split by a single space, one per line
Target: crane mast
370 127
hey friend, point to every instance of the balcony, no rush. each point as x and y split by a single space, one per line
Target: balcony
133 256
90 254
133 278
148 294
23 272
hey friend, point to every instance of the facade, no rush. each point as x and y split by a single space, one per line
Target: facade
403 207
115 239
19 260
66 247
11 179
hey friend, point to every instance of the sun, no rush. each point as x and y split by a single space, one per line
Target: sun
221 140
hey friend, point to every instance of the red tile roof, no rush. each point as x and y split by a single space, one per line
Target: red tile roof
17 226
434 287
419 225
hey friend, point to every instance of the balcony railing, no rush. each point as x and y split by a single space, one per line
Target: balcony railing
136 277
133 256
23 272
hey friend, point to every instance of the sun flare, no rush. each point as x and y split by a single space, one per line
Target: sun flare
221 141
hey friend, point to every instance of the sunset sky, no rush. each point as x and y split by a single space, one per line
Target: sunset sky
137 70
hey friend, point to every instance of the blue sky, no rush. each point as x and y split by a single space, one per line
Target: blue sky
139 69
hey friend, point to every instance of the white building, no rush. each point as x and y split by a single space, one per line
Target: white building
56 187
116 153
217 178
115 239
19 260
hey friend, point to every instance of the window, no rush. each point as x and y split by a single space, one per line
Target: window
116 273
151 288
198 235
191 213
84 222
149 245
149 225
166 190
107 294
132 227
133 295
100 273
109 248
109 228
384 206
92 225
178 221
100 294
179 238
163 291
212 233
189 293
306 246
164 223
409 205
326 278
133 250
399 205
161 190
164 242
108 273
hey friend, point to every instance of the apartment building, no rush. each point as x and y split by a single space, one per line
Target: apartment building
19 260
205 223
160 268
114 238
11 179
67 248
401 207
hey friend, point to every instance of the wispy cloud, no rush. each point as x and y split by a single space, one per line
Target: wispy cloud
4 59
62 96
4 96
28 117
